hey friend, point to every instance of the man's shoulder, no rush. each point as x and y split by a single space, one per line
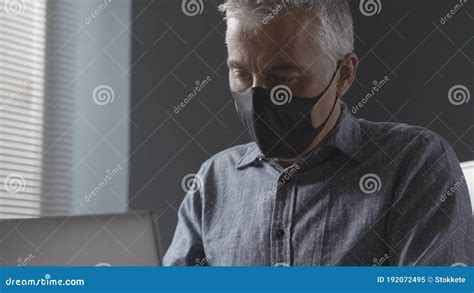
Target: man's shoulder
230 157
406 150
401 136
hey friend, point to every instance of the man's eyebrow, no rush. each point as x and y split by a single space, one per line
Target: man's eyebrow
285 67
234 63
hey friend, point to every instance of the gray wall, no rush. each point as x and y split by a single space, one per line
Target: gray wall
101 128
406 42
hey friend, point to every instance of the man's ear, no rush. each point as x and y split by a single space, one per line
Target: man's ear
347 73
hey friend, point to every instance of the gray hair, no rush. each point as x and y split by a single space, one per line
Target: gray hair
333 24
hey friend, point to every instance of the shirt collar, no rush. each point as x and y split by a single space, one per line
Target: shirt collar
345 137
251 156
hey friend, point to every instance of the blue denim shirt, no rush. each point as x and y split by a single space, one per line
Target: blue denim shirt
370 194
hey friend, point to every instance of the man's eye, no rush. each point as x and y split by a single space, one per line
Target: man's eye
285 79
241 75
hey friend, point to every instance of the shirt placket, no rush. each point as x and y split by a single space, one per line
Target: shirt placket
282 220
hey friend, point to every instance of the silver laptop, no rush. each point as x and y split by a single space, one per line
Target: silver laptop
130 239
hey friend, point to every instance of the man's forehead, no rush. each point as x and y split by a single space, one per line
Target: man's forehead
281 32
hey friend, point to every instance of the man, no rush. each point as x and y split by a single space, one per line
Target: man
317 186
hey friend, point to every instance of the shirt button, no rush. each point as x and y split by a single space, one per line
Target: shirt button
259 162
280 233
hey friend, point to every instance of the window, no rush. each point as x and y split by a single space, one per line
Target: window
31 181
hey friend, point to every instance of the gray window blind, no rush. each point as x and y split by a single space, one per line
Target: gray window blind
33 174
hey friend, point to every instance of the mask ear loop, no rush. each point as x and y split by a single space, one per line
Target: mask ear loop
335 100
338 64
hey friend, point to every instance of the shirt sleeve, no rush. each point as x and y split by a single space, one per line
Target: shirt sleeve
431 220
186 249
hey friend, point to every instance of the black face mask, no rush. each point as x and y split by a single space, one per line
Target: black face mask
279 123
